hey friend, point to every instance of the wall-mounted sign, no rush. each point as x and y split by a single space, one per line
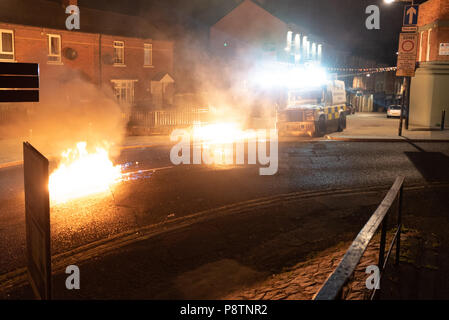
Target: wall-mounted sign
444 49
19 82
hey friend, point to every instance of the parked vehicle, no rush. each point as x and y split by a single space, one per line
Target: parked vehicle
351 108
395 111
314 111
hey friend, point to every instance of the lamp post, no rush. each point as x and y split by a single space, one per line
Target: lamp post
407 80
391 1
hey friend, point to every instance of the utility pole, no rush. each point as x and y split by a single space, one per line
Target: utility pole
407 57
405 104
409 80
404 93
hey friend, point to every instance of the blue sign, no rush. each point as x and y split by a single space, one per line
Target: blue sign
411 15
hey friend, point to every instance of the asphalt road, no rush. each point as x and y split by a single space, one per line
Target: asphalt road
174 192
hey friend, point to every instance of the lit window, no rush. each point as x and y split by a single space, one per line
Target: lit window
148 54
7 45
54 48
119 52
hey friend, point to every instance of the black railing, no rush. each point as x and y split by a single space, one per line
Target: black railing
333 287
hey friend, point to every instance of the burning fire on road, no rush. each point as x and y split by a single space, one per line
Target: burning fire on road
217 139
82 172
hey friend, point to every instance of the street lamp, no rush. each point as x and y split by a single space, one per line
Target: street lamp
391 1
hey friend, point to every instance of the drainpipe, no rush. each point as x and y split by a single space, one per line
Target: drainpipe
99 61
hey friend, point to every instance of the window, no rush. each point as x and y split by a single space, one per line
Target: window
54 48
119 52
148 54
7 45
124 91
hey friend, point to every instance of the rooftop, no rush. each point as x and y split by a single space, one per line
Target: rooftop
51 14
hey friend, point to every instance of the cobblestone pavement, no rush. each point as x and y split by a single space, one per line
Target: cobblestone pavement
304 280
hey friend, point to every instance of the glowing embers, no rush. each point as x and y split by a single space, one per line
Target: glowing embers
217 140
82 172
225 144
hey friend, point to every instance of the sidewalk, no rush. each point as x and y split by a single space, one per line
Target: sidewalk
377 127
11 149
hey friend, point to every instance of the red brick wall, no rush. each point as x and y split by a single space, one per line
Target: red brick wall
31 45
66 3
430 12
134 61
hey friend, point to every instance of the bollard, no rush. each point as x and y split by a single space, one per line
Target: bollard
443 116
406 119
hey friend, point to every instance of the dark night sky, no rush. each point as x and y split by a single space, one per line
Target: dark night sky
341 22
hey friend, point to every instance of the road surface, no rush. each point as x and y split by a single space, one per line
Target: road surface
179 191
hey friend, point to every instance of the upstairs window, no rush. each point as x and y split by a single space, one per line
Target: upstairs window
54 48
119 52
148 54
6 45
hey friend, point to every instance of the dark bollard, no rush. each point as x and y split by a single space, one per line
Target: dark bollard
443 116
406 118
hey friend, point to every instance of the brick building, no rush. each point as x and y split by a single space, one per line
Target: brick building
428 93
246 30
249 30
110 49
249 33
376 91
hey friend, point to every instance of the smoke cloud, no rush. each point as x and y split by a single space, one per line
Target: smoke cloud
70 110
225 86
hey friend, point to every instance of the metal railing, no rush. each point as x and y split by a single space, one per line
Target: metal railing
155 119
332 288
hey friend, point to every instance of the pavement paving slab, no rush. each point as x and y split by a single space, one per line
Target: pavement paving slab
375 126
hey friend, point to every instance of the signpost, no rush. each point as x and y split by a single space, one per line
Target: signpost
408 44
410 15
407 54
37 219
19 82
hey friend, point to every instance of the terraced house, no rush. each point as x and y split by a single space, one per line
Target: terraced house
137 62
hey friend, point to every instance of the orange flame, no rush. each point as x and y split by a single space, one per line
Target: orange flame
218 138
82 173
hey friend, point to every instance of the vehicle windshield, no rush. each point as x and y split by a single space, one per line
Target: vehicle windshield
395 107
304 97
